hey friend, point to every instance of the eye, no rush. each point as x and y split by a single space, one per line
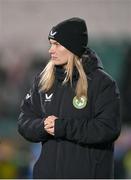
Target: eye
57 43
54 43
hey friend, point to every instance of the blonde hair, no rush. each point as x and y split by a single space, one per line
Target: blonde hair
48 76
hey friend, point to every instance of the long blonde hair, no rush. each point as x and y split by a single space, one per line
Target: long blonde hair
48 76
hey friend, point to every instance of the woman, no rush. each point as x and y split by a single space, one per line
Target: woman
72 109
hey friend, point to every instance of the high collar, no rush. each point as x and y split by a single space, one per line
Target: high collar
91 61
60 73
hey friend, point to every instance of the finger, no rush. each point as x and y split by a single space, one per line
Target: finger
48 120
49 123
49 126
54 117
46 123
51 131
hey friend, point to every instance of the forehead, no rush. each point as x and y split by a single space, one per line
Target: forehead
53 41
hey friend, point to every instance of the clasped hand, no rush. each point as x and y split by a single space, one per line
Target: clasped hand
49 124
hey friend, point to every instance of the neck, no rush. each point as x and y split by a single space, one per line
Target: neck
64 65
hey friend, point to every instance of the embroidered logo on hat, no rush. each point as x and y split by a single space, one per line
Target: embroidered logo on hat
52 33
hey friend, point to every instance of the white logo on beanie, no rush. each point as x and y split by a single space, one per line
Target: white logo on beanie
53 33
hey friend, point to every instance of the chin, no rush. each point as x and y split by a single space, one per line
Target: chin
58 63
55 62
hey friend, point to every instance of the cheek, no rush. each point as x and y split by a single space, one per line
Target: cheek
64 58
64 55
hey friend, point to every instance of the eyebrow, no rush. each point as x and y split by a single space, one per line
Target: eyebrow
53 42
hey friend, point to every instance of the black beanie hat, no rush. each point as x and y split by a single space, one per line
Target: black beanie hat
72 34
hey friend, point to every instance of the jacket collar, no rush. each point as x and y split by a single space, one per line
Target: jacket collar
60 73
91 61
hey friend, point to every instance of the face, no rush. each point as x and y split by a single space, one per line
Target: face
59 54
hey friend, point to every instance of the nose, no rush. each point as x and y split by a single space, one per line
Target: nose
52 49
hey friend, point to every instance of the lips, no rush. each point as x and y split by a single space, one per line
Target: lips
53 57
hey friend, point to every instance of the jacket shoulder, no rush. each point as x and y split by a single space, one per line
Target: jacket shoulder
101 81
102 75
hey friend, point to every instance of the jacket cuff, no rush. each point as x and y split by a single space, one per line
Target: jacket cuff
42 130
59 128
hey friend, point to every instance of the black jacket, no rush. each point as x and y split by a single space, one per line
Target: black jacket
83 144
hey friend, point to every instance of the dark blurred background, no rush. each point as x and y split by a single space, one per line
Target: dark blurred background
24 27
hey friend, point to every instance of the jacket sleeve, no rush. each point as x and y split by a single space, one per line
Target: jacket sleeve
105 125
30 121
